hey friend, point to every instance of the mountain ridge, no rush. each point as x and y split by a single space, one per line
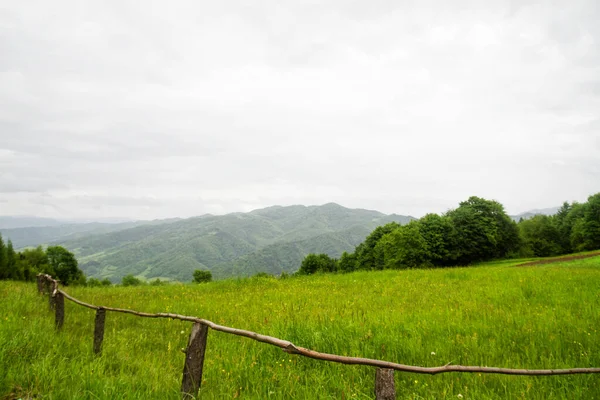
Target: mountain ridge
227 243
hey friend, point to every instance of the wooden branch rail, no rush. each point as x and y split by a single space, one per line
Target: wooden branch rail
197 345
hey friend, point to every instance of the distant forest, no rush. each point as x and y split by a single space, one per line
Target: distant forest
478 230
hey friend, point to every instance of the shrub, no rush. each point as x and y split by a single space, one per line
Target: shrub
130 280
202 276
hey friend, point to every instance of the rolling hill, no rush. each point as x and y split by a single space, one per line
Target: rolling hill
272 240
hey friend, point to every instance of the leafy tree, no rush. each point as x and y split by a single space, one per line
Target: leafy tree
541 236
93 282
440 236
591 223
4 273
63 265
314 263
564 226
405 247
263 275
11 263
347 262
157 282
34 261
130 280
578 236
202 276
366 256
483 231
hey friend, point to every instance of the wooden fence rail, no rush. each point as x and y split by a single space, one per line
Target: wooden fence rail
194 359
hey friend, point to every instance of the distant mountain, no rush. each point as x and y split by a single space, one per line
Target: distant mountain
40 235
11 222
273 240
531 213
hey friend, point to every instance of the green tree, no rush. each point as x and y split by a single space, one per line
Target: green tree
4 273
11 263
63 265
130 280
202 276
106 282
540 236
483 231
405 247
440 236
34 261
314 263
574 222
366 256
591 223
347 262
564 225
93 282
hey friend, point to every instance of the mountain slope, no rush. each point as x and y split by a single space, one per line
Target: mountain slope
37 235
273 239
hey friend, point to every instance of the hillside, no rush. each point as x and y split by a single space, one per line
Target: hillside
273 240
35 235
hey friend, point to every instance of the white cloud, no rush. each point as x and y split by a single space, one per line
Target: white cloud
153 109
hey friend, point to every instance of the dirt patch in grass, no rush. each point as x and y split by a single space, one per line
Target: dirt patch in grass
559 259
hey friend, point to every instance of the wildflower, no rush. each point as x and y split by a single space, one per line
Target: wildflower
460 396
433 353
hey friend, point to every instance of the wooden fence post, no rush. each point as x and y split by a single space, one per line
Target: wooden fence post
40 284
385 388
99 330
51 298
194 361
59 304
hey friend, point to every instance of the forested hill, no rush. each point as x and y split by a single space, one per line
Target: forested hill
271 240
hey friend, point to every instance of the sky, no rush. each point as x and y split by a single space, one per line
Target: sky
156 109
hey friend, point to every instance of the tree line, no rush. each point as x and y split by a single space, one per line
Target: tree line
25 265
478 230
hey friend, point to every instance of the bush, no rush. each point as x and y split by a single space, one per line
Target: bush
93 282
314 263
130 280
202 276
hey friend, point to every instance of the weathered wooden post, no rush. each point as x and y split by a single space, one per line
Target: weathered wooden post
40 284
99 330
59 305
385 388
51 298
194 361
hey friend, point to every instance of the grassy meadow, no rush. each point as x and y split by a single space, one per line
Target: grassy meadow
544 316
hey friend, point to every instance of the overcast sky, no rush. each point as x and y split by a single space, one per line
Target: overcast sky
159 109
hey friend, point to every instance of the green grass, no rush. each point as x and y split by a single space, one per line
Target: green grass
496 315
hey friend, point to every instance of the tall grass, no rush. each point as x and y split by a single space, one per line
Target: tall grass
495 315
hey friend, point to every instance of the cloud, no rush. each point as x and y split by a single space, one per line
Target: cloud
123 109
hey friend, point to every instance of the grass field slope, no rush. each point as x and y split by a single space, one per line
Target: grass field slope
505 315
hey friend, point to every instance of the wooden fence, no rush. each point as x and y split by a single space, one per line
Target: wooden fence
194 354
